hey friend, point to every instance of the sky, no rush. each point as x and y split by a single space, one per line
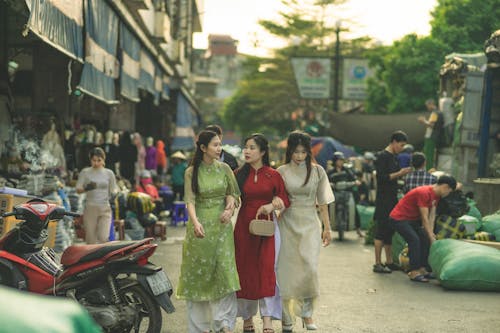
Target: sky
384 20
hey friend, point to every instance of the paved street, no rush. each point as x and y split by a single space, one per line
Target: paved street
354 299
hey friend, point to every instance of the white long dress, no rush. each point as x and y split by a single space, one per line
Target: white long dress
300 229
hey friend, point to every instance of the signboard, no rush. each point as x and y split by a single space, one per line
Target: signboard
313 76
355 77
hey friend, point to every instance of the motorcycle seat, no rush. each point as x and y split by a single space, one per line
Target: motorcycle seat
84 253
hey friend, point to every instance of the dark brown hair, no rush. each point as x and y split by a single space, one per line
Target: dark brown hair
98 152
204 139
299 138
243 172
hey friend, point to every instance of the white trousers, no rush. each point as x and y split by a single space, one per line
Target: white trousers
302 308
204 316
269 306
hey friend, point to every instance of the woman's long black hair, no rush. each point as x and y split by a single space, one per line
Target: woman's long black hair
204 139
243 172
303 139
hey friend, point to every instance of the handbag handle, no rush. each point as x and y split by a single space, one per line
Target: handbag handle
268 216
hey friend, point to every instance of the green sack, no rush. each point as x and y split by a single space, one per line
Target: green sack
491 223
30 313
470 223
465 266
398 244
497 235
473 210
365 215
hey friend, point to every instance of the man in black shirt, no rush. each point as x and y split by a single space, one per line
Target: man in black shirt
224 155
388 172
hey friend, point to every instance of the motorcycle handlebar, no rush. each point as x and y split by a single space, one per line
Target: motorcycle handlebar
72 214
8 214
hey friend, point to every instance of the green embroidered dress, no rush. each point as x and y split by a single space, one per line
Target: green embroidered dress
208 269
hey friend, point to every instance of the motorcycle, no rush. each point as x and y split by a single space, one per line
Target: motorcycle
341 189
114 281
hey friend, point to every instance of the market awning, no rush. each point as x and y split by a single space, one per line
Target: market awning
101 67
158 84
130 64
147 75
184 134
58 23
166 89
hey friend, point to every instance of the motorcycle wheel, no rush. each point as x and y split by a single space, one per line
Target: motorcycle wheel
149 311
340 221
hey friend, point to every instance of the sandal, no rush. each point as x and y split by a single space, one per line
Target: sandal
248 329
419 278
268 330
248 326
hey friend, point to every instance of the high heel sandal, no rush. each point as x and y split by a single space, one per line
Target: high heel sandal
309 327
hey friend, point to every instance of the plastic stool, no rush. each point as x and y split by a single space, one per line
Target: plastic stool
179 212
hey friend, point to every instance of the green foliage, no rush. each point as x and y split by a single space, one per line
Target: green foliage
406 75
464 25
407 72
264 99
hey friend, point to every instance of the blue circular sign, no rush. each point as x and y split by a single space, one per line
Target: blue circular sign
359 72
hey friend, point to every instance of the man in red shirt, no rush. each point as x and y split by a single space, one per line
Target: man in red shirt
413 218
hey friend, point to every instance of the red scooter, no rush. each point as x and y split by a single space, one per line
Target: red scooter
115 282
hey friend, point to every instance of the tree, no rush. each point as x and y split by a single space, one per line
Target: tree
267 96
406 74
464 25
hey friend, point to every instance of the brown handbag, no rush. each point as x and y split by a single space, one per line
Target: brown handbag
261 227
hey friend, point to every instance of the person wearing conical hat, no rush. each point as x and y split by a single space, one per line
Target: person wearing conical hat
179 166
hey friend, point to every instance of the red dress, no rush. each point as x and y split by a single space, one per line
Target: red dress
255 254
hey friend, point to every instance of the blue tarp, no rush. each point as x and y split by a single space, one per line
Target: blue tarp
326 146
58 23
101 67
130 64
184 134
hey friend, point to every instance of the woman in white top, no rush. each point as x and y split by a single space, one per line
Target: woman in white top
307 186
99 184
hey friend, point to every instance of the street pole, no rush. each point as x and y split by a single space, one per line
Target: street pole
337 69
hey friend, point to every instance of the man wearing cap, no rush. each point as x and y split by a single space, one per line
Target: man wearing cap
224 155
179 166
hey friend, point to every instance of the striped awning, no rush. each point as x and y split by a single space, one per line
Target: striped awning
184 133
59 23
101 66
130 64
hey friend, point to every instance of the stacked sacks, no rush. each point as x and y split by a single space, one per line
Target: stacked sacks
491 225
448 227
465 266
471 224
